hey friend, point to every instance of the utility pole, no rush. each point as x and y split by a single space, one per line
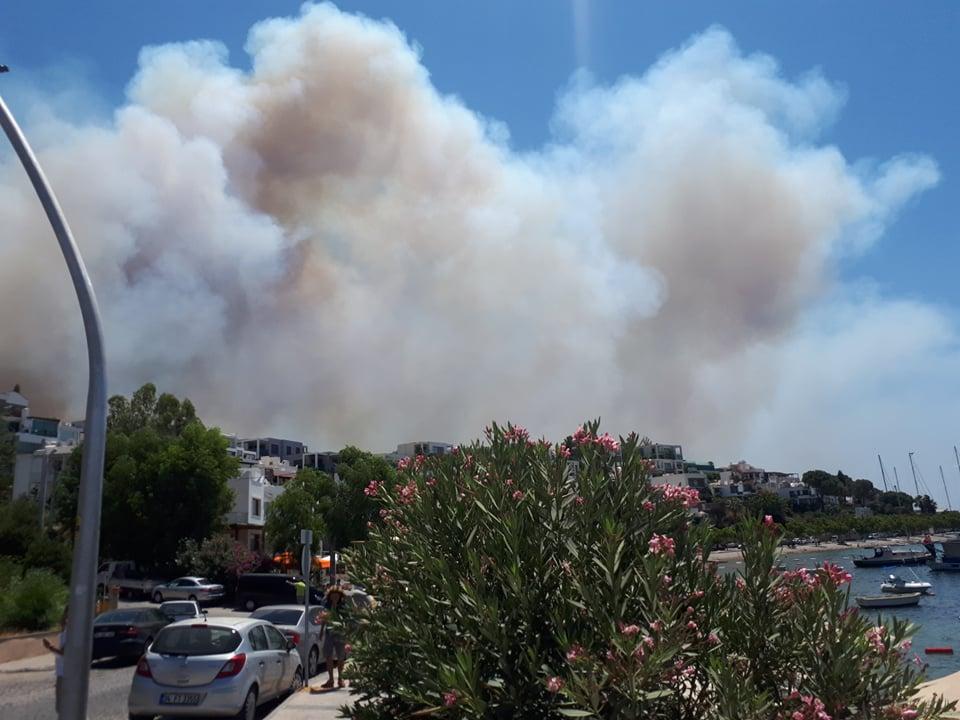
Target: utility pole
914 471
883 475
945 492
83 576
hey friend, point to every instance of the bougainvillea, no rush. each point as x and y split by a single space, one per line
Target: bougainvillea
519 579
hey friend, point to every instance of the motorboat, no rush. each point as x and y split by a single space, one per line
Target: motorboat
949 559
885 557
899 586
889 601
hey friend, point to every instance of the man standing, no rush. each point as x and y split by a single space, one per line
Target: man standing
334 646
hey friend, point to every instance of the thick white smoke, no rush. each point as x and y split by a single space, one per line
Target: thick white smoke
327 248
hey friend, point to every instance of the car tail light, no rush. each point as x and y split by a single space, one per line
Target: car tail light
143 668
295 637
129 632
233 666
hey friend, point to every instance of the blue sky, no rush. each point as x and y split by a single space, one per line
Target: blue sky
508 60
827 379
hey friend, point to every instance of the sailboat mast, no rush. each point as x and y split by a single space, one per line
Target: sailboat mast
916 485
896 477
943 480
883 475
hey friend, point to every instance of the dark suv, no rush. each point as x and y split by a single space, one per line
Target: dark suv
256 589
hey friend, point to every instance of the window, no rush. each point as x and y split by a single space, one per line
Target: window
255 543
258 640
255 507
289 450
196 640
274 449
275 639
281 617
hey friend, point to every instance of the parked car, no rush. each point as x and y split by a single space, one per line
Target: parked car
288 619
126 633
125 575
181 610
224 666
188 588
258 589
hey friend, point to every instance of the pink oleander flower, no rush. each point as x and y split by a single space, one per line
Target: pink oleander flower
582 436
579 500
712 639
508 482
741 583
657 626
431 482
419 461
403 464
692 625
875 637
835 574
608 443
564 452
630 630
574 653
450 698
649 641
768 520
688 497
517 495
689 610
908 714
697 594
666 580
648 506
662 545
347 647
554 684
407 493
372 488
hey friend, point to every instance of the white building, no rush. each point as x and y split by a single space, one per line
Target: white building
252 494
420 447
35 474
665 458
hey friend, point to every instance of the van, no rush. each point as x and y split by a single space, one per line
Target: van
256 589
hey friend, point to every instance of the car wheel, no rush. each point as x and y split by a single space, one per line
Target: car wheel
250 605
297 683
192 597
158 597
313 661
249 709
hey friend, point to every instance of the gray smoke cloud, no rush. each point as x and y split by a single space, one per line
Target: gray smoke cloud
326 247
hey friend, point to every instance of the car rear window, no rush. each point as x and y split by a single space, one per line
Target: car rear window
179 608
204 581
196 640
120 616
279 617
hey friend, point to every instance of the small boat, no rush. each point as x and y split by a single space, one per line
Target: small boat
898 585
949 559
888 601
884 557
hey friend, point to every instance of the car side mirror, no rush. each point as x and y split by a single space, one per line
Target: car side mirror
291 645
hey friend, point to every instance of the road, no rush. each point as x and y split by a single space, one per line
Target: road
28 693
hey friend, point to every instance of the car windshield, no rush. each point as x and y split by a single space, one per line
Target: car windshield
179 608
196 640
278 616
120 616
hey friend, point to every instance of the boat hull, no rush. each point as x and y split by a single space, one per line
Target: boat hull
888 601
903 590
920 559
944 566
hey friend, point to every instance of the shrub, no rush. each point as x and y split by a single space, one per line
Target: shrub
514 583
49 553
219 558
33 602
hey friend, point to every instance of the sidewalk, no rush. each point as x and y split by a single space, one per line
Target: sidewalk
313 704
948 687
40 663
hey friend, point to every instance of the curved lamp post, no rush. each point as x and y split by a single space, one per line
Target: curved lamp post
79 641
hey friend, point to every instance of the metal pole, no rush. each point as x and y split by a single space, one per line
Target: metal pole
896 478
883 475
79 634
43 488
306 565
945 491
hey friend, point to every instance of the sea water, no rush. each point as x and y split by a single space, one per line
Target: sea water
937 617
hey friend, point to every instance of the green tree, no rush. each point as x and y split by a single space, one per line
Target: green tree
305 502
19 526
165 479
825 483
352 508
863 491
767 503
8 457
926 504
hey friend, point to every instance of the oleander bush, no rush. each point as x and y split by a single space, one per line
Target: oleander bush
520 579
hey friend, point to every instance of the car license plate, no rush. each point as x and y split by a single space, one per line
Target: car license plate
104 634
181 698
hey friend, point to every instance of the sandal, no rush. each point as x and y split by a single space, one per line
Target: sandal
327 685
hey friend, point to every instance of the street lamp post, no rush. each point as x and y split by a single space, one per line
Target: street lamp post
79 636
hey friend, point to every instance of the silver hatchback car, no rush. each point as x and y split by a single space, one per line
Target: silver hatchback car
222 667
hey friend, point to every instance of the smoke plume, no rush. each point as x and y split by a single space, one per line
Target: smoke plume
326 247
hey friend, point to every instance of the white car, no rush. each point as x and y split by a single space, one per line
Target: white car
193 588
223 667
181 610
288 619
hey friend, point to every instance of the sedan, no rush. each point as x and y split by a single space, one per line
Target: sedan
197 589
221 667
126 633
181 610
288 619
